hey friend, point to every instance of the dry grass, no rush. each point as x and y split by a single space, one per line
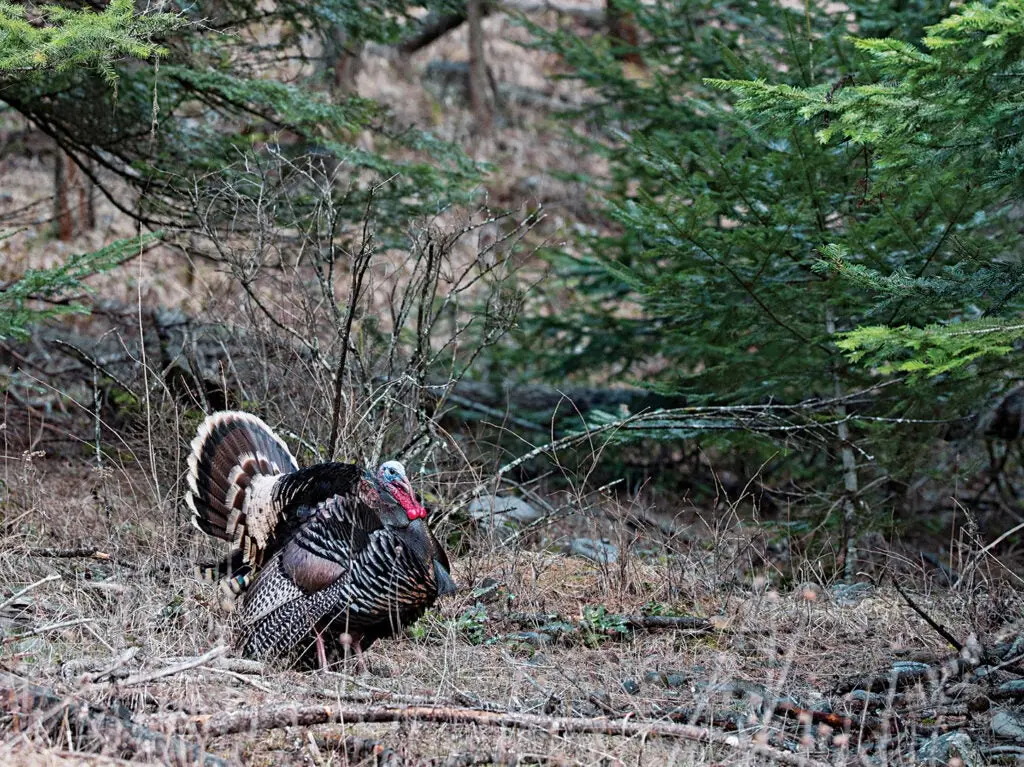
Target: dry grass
795 643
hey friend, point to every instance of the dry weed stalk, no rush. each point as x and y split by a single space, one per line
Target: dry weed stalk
376 327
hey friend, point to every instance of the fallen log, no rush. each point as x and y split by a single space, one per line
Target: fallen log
280 716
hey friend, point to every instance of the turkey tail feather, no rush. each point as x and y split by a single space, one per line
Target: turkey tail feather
230 451
445 584
233 572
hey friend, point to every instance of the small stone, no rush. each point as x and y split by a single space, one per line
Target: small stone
601 552
950 748
908 672
675 680
847 594
866 699
1009 725
502 514
982 673
910 668
631 686
1012 689
654 677
535 638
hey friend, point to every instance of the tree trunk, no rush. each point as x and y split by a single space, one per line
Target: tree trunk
850 485
72 217
483 109
62 196
87 202
345 59
624 33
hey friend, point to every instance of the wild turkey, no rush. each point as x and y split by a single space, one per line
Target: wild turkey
330 549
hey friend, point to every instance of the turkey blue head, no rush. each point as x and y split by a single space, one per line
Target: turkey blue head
391 476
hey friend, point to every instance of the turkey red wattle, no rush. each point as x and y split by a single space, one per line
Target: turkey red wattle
407 501
393 478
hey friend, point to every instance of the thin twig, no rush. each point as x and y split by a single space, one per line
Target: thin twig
928 619
360 266
44 629
235 675
177 668
16 595
980 555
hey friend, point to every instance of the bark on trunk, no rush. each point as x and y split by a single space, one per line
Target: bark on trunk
483 108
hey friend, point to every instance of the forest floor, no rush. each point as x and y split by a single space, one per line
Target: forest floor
537 650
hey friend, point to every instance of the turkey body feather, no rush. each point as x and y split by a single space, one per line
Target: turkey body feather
327 552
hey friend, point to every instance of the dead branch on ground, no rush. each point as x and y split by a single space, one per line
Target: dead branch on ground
78 553
18 594
177 668
276 717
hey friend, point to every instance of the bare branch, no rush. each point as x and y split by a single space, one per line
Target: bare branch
276 717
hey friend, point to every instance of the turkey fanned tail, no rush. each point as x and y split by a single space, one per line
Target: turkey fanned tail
234 465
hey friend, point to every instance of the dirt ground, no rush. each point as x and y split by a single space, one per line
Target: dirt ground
803 670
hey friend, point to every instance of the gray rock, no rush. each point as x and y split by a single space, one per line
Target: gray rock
979 674
866 699
1009 725
631 686
535 638
502 514
675 680
847 594
597 551
941 749
910 668
665 679
1012 689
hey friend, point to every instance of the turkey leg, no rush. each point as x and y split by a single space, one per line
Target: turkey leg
321 652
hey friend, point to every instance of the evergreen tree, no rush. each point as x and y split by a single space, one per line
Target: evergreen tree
770 175
949 112
37 42
217 103
37 37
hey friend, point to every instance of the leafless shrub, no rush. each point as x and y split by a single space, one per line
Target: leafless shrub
365 330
